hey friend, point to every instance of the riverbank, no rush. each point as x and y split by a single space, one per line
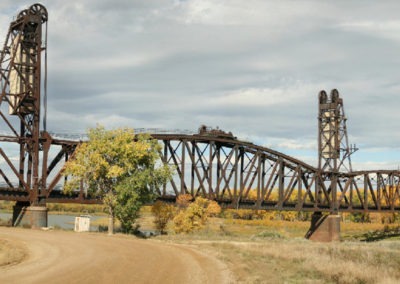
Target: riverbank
61 221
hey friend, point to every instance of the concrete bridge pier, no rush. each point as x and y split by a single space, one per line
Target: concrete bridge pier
324 228
25 214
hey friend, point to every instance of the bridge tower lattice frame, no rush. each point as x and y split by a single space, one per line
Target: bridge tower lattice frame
334 150
21 66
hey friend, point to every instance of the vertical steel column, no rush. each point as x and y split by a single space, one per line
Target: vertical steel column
281 183
165 161
329 142
260 171
366 186
182 190
235 169
192 173
241 173
210 170
378 190
218 149
299 185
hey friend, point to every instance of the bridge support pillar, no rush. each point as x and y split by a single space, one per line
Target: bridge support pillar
324 228
32 216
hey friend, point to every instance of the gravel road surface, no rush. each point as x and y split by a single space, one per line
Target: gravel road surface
69 257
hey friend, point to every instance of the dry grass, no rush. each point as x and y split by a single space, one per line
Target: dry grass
300 261
259 251
11 252
276 260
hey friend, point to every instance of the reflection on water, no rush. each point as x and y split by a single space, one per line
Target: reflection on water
65 222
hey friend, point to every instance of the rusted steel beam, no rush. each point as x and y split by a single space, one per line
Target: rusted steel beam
21 181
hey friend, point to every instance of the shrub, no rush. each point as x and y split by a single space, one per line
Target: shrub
195 215
163 213
213 209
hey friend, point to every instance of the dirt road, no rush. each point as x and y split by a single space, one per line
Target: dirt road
68 257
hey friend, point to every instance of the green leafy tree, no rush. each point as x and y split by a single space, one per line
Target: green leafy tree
120 168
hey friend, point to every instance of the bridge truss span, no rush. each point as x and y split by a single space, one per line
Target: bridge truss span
239 174
228 170
370 191
236 174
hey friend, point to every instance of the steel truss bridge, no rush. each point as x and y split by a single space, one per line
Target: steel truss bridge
235 173
210 163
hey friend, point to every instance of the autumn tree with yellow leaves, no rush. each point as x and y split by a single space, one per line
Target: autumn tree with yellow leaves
120 168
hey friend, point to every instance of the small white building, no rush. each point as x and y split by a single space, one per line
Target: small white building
82 223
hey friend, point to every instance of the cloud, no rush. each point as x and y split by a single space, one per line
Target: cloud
251 67
386 29
291 94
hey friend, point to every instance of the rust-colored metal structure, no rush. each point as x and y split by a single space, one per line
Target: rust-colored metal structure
21 103
21 65
210 163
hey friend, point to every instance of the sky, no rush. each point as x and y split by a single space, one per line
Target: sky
253 67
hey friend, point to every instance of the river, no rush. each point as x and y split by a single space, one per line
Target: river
65 222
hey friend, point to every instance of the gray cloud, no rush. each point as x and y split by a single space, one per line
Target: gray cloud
254 67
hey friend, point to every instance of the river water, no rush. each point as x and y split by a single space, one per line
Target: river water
65 222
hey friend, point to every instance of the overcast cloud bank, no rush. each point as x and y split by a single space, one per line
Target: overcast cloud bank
250 67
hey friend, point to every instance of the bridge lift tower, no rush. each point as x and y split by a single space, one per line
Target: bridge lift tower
334 150
334 159
21 66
